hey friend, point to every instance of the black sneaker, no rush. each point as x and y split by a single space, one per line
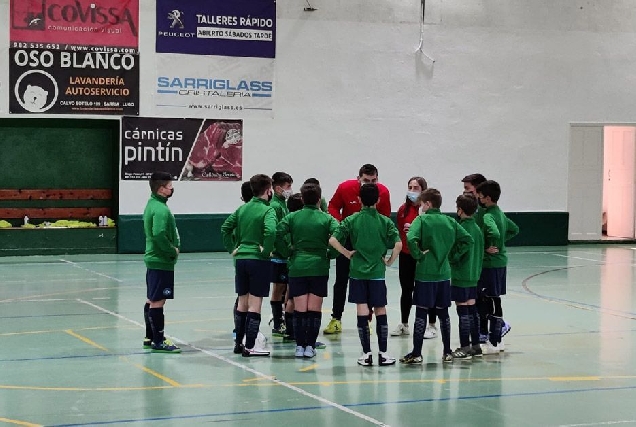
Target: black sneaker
166 346
476 351
255 352
238 348
411 359
147 343
385 360
463 353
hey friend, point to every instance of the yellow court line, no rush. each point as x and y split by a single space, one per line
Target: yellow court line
86 340
20 423
259 379
308 368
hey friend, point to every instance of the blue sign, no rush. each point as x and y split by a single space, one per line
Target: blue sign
243 28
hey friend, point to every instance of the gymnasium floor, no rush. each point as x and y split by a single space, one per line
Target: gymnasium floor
70 351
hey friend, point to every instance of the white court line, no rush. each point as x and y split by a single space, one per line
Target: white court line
603 423
576 257
76 265
248 369
48 281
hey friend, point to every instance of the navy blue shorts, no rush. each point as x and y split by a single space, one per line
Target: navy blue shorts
432 294
279 272
463 294
317 285
159 284
370 292
252 277
492 282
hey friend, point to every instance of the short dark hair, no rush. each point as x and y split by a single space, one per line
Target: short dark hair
432 195
246 192
280 178
490 189
312 181
474 179
295 202
369 194
368 169
311 194
467 203
158 180
260 183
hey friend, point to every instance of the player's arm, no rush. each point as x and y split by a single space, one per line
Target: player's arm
414 239
283 238
269 231
393 236
160 233
336 204
333 226
463 243
227 232
491 231
341 234
512 229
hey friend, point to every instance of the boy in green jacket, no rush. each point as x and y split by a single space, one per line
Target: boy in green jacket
249 235
465 271
371 234
303 236
492 284
431 239
162 250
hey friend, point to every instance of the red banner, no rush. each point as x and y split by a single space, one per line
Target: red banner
75 23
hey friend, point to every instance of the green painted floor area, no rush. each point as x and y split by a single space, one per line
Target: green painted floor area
70 351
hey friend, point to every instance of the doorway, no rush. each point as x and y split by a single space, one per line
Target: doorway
602 182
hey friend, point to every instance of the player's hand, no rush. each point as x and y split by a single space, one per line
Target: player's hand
177 249
260 248
235 251
350 254
492 250
387 261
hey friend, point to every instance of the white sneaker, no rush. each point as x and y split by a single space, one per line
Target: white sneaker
261 340
300 351
501 346
250 352
366 359
310 352
430 332
488 348
401 329
385 360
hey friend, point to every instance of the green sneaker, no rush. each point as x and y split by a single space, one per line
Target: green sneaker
147 344
166 346
320 345
280 332
334 327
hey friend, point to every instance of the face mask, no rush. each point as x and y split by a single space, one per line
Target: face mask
171 193
269 196
287 194
412 195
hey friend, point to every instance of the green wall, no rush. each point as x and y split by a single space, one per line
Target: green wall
201 233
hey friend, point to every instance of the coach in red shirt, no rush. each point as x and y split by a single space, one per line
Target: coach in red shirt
346 202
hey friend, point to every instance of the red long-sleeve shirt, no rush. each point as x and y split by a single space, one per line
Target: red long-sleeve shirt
345 200
406 216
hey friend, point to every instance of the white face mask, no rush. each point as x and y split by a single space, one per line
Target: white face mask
287 194
412 195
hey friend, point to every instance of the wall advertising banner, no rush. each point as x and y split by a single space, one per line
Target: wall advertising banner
188 149
237 80
217 27
74 57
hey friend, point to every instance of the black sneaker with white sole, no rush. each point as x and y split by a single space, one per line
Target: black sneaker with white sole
385 360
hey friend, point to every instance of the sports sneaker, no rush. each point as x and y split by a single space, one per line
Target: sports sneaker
309 352
463 353
366 359
334 327
430 332
147 343
250 352
320 345
488 348
385 360
483 338
400 329
300 351
166 346
476 350
411 359
448 357
505 328
238 348
280 332
501 346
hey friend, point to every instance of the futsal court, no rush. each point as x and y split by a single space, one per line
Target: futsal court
72 330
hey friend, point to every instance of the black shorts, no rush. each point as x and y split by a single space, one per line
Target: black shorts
159 284
492 282
370 292
279 272
459 294
432 294
317 285
252 277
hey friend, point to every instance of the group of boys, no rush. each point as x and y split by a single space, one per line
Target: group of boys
288 239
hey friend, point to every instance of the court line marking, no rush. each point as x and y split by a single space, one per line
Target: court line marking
124 359
76 265
602 423
78 291
308 368
248 369
18 422
156 387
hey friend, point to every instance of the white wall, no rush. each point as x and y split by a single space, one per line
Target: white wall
508 79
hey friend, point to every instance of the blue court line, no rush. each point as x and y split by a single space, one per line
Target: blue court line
308 408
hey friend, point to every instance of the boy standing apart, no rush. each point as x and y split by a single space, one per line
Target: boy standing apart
370 234
492 284
162 250
465 271
249 235
304 236
431 239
